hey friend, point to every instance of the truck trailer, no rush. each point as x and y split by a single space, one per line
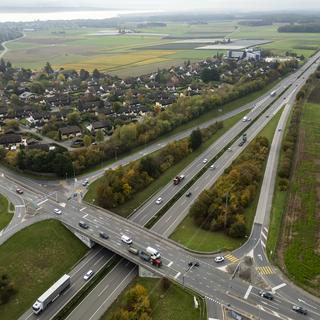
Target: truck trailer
51 294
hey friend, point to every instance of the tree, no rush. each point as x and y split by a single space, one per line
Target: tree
84 74
48 69
73 118
99 136
63 165
7 289
87 140
96 74
195 139
12 125
208 75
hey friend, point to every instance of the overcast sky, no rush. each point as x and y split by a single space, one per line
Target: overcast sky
167 5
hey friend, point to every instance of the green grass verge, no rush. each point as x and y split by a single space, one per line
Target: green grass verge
6 213
127 208
300 232
174 304
195 238
34 259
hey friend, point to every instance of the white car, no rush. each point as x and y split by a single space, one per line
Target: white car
205 160
159 200
85 182
212 166
88 275
57 211
126 239
218 259
229 149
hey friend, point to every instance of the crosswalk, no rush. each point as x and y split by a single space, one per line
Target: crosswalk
231 258
265 270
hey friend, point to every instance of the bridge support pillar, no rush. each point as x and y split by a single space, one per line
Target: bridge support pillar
144 273
86 240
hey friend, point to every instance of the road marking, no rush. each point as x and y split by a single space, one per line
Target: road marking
231 257
177 275
170 264
248 292
42 202
107 286
265 270
262 243
83 208
266 229
85 216
20 206
278 287
265 237
276 314
300 300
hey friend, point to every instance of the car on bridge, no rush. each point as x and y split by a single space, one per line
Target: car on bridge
103 235
126 239
299 309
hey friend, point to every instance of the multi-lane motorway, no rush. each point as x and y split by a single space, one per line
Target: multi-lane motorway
207 280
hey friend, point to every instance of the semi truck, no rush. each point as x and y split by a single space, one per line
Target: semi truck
178 179
51 294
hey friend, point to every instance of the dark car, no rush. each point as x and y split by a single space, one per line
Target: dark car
266 294
103 235
241 143
188 194
19 191
144 256
299 310
83 225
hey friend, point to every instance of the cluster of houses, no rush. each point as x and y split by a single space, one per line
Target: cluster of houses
106 102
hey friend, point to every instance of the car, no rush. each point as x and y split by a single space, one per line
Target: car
229 149
88 275
85 182
19 191
299 309
241 143
279 129
266 294
219 259
213 166
188 194
103 235
205 160
159 200
57 211
83 225
126 239
267 116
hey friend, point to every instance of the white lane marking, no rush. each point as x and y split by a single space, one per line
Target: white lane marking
278 287
42 202
83 208
248 292
300 300
177 275
276 314
262 243
265 237
85 216
20 206
266 229
107 286
170 264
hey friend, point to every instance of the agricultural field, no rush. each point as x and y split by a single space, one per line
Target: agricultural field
147 50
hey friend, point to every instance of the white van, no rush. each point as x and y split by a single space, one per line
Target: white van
126 239
155 254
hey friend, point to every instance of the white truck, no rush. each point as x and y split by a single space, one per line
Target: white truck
51 294
155 254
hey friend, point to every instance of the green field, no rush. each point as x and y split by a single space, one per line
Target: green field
295 215
173 304
137 54
198 239
5 213
34 258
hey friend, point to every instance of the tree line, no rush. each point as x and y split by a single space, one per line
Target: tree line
301 28
222 207
119 185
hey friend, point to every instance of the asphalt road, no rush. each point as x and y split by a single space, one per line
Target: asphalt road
139 235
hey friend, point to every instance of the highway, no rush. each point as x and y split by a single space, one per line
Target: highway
92 216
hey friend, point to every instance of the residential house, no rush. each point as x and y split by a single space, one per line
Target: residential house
69 132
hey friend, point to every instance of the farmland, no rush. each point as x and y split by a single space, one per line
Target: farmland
147 50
